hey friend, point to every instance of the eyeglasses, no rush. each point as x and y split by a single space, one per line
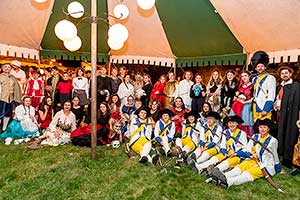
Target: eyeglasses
117 126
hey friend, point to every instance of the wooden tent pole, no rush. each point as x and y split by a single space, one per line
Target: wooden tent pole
94 77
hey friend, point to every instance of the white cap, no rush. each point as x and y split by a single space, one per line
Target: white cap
16 63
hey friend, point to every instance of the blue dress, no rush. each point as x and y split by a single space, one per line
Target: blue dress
15 130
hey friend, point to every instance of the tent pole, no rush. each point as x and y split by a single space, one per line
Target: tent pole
94 77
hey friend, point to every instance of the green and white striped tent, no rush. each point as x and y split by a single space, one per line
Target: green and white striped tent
182 32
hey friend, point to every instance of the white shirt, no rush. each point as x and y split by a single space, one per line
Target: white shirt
19 75
81 84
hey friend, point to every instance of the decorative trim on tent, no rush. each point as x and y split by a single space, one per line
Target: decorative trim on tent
20 52
158 61
230 59
67 55
283 56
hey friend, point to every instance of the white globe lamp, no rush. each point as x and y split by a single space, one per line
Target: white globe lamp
114 43
73 45
146 4
76 9
118 31
65 30
121 11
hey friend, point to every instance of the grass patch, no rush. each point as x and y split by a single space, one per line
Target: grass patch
67 172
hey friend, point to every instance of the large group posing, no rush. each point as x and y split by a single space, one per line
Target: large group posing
234 130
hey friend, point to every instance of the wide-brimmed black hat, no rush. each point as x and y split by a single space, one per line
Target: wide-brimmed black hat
214 115
143 108
166 111
195 114
266 122
260 57
233 118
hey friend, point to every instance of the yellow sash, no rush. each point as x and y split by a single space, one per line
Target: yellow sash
137 131
165 128
188 129
229 142
262 140
262 76
208 132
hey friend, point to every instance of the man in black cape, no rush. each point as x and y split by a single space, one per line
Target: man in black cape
288 103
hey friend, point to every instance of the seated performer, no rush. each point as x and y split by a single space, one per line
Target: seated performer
234 140
262 158
164 130
139 135
190 135
210 139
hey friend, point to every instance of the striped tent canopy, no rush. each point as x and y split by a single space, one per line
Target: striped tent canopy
174 32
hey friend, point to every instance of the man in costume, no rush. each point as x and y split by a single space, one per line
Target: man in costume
169 90
288 104
233 140
35 89
10 92
139 135
210 139
264 87
18 73
261 158
165 130
103 86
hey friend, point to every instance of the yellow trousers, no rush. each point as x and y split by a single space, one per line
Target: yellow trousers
252 168
139 144
257 115
187 141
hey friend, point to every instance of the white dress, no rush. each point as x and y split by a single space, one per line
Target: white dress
124 91
22 114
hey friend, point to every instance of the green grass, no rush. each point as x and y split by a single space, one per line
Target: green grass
67 172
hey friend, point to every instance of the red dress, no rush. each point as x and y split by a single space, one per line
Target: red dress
178 120
45 124
158 87
35 90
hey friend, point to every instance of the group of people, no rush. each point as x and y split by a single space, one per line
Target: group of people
234 129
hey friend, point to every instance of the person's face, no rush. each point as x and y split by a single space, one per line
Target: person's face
80 73
229 76
27 102
285 75
198 79
130 100
215 75
114 99
122 71
263 130
142 114
171 76
191 119
178 103
245 77
54 71
232 125
35 76
138 104
165 117
75 101
210 121
205 108
260 68
114 72
188 75
162 79
49 101
6 68
67 106
88 75
117 127
66 77
146 79
127 79
154 106
103 108
103 71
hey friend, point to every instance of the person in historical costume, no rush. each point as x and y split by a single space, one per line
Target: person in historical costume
116 124
81 88
233 140
77 109
147 88
228 91
139 135
60 128
115 80
35 89
206 108
210 139
10 93
103 120
169 90
24 123
288 104
114 103
129 108
125 90
179 110
138 84
264 87
50 87
197 93
63 90
154 106
18 73
213 90
183 89
45 113
261 158
242 105
165 130
103 86
158 91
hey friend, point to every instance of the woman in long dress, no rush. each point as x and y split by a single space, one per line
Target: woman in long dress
213 89
61 126
183 89
125 90
157 92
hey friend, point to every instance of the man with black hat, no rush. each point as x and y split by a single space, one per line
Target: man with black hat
264 87
233 140
288 105
139 135
261 157
164 130
210 139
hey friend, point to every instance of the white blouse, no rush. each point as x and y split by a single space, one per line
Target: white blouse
81 83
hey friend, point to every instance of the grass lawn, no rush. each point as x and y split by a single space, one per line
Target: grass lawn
67 172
